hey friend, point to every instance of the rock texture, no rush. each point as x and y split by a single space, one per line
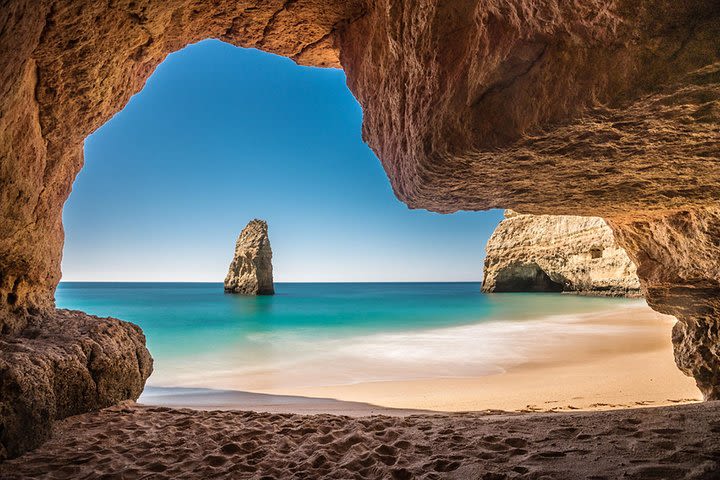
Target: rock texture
250 271
557 253
607 108
64 365
589 107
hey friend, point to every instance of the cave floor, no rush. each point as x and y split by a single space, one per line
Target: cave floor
132 441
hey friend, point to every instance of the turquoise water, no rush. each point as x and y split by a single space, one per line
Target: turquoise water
200 336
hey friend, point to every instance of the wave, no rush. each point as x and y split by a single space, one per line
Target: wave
277 361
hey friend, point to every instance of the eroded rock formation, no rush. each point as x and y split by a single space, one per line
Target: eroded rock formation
596 107
557 253
677 260
62 365
592 107
250 271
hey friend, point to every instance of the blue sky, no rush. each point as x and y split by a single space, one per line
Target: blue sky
221 135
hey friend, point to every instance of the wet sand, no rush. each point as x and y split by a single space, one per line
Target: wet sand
588 373
209 399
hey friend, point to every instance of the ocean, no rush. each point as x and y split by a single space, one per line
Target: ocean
317 334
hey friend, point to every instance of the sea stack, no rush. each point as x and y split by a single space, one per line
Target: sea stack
250 271
557 253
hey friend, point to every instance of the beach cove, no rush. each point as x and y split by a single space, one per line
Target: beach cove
406 346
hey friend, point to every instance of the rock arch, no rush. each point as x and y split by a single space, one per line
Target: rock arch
600 107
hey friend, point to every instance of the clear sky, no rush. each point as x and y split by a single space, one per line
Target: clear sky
221 135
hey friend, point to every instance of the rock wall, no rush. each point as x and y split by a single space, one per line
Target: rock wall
558 253
250 271
607 108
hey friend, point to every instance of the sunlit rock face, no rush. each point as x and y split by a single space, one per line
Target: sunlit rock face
250 271
61 365
557 253
593 107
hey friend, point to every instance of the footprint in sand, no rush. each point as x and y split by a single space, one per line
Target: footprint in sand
516 442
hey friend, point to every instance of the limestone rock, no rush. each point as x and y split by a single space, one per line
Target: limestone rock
250 271
557 253
65 364
696 342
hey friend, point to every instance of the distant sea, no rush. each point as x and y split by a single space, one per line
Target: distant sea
313 334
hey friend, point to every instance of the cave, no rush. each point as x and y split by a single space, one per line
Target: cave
602 109
525 277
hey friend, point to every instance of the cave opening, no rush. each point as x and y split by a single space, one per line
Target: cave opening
221 134
525 277
285 146
169 181
71 66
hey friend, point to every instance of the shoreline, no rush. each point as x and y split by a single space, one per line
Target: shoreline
619 358
212 399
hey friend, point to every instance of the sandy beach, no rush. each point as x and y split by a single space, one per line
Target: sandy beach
397 429
614 359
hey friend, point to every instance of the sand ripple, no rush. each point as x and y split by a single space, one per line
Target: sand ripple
140 442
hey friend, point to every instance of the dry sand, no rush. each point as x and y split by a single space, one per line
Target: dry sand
136 442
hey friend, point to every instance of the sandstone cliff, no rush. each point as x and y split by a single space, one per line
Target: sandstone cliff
557 253
250 271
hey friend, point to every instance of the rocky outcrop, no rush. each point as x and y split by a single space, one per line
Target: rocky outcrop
557 253
63 365
250 271
696 343
677 261
596 107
